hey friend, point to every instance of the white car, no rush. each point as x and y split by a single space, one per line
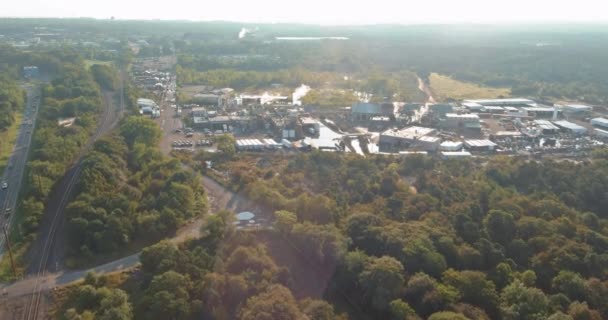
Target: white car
4 185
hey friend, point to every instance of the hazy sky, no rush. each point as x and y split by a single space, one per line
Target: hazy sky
318 11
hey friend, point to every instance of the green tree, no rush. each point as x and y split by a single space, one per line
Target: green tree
525 303
500 226
474 288
569 283
382 281
285 221
275 303
140 130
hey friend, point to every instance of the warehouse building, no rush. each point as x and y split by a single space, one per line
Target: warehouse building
472 106
480 145
577 109
249 145
517 102
546 127
601 123
494 109
541 112
451 146
570 127
600 132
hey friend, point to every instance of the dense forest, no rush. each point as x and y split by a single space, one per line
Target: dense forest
73 93
535 62
386 238
129 191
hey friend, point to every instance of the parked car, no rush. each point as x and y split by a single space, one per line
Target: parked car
4 185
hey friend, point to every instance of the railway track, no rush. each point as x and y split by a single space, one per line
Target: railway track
109 119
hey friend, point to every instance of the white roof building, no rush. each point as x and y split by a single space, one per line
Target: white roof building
480 145
410 133
451 146
575 108
501 102
600 122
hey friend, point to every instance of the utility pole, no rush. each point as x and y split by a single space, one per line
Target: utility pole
10 251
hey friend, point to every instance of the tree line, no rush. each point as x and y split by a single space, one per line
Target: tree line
72 94
128 191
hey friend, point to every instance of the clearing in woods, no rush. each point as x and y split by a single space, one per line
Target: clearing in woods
444 87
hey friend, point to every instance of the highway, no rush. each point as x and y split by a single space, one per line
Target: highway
13 174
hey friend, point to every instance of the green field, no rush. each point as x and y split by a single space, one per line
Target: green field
7 141
444 88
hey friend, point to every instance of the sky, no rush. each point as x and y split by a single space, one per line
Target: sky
336 12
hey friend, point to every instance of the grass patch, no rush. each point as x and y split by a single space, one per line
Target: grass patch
6 271
7 140
445 88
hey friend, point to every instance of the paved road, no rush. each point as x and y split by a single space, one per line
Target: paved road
13 174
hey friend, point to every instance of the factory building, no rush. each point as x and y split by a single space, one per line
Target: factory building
461 121
570 127
506 135
411 106
441 109
409 137
541 112
367 111
208 99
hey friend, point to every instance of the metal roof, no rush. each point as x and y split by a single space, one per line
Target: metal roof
545 125
599 122
480 143
366 108
409 133
462 116
570 126
500 101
